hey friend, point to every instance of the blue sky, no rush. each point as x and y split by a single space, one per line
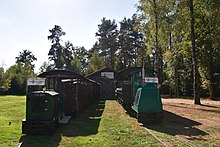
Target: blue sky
25 24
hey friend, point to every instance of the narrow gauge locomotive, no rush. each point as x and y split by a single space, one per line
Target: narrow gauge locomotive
138 92
67 93
43 108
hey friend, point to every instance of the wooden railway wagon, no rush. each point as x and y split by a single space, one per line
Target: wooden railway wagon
138 92
106 78
124 87
76 90
78 94
54 94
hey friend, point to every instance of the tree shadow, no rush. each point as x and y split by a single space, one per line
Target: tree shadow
84 124
40 140
216 99
205 105
87 123
207 110
177 125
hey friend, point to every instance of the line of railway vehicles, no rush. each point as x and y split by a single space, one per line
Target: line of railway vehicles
137 90
56 94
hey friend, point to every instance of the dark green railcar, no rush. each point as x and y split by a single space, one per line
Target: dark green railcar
43 112
137 91
146 100
43 108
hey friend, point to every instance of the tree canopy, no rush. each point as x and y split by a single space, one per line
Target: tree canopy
26 58
179 39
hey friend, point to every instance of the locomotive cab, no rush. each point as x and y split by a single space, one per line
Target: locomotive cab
146 100
43 110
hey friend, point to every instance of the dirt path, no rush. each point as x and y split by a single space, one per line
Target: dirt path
199 124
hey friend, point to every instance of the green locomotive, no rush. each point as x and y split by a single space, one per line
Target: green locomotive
43 109
137 91
146 100
54 97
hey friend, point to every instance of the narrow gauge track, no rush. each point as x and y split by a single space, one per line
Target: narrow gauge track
166 144
185 141
162 142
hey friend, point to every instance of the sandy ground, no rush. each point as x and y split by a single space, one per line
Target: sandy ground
192 121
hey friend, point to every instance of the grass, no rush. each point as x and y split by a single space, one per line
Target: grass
12 109
105 123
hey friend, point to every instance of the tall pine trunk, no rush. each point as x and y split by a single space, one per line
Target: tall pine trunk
157 50
211 81
175 68
194 62
211 89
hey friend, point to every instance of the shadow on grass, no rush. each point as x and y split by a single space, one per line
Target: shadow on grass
177 125
40 140
86 123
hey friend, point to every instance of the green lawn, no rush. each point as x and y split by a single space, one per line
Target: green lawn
105 123
12 109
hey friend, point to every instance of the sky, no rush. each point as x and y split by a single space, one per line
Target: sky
25 24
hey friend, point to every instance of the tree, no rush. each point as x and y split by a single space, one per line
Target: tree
96 62
126 51
194 56
81 54
152 15
57 50
46 66
181 47
131 43
208 44
76 65
95 47
26 58
4 81
18 75
107 34
68 55
169 37
157 49
187 34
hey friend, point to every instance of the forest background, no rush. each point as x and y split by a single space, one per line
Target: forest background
179 39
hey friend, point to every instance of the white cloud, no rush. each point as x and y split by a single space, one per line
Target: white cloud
5 21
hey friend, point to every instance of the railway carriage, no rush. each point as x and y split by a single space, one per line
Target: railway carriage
74 88
59 93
